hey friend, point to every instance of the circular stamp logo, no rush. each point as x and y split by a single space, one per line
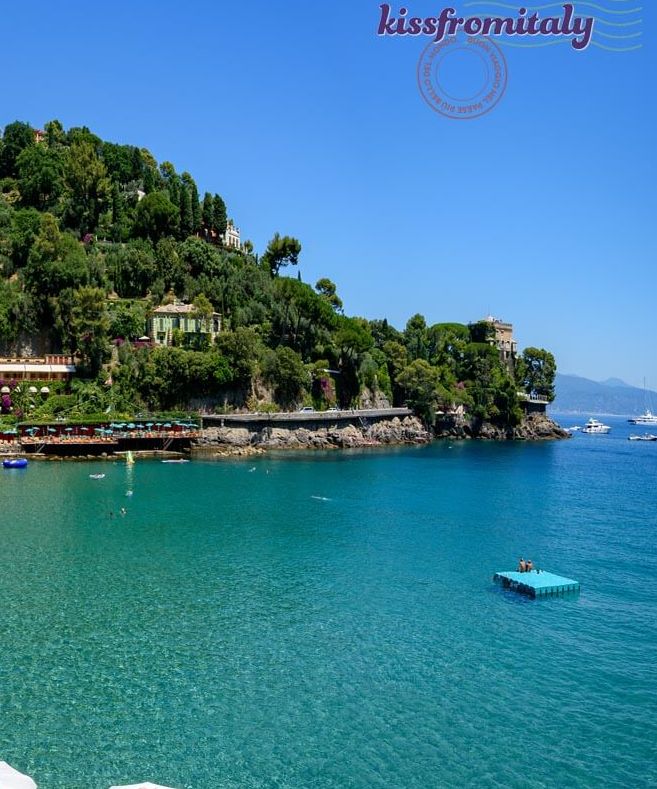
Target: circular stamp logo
462 79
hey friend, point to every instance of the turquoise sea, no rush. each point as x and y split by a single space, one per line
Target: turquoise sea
329 620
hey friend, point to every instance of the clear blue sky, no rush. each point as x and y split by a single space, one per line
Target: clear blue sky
309 124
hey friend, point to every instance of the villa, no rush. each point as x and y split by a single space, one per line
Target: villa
168 318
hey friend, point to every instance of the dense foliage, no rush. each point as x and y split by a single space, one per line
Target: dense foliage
95 235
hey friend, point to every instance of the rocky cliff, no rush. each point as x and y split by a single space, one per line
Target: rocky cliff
242 440
534 427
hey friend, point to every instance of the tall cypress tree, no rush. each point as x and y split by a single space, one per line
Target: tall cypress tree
196 209
207 213
220 216
186 215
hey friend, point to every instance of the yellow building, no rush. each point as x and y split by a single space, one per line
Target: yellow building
503 340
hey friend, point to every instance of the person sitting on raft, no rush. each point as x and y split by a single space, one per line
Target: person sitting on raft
529 566
522 565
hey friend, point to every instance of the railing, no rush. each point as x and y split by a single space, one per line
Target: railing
533 398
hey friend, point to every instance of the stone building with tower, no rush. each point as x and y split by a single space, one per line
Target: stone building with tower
503 341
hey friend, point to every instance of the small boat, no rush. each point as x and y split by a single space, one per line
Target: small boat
96 476
644 437
593 426
176 460
14 463
647 418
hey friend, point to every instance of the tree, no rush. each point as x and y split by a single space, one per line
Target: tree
207 213
203 310
56 261
327 290
156 217
132 268
186 214
415 337
16 138
481 331
539 368
40 172
219 216
281 251
170 268
199 258
421 384
127 320
285 370
89 188
25 226
55 135
242 349
89 325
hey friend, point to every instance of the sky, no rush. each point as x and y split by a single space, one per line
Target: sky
541 212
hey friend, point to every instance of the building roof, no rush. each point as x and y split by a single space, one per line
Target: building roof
12 367
176 309
173 309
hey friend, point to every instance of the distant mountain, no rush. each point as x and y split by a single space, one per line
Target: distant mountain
613 396
616 382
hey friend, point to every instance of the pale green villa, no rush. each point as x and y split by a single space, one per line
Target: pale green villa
168 318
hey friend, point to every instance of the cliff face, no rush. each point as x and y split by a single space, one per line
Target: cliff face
242 440
534 427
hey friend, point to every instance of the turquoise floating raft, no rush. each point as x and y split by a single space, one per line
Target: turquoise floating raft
536 584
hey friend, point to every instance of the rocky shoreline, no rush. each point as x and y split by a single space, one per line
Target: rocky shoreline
242 441
534 427
246 441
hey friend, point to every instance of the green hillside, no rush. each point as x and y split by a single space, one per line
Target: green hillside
95 235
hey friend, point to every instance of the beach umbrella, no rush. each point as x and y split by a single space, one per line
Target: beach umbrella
167 424
12 779
68 429
149 424
32 390
5 390
132 425
52 430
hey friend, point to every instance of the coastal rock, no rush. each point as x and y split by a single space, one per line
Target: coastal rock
534 427
226 441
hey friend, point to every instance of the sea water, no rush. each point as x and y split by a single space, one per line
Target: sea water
329 619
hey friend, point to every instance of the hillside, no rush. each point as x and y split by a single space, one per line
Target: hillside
115 259
581 395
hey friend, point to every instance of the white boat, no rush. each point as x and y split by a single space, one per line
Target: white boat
644 437
593 426
647 418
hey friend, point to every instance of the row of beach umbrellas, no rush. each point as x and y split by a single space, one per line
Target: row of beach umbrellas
110 430
10 778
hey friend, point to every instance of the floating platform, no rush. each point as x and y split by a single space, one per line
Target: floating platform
537 584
